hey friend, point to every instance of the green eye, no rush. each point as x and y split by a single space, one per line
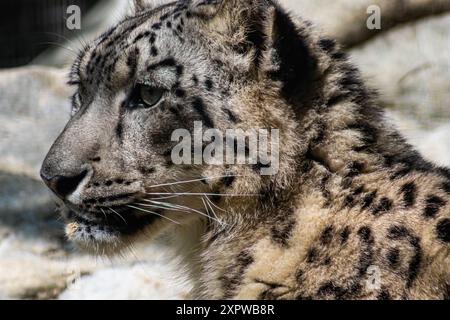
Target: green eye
145 96
151 96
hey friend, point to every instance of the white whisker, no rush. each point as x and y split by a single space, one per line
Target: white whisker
208 208
184 208
205 206
104 213
167 197
158 207
59 46
152 212
194 180
118 214
216 206
203 194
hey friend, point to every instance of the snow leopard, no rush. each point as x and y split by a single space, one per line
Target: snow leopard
354 211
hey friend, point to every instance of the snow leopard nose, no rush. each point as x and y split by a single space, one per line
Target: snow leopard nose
63 186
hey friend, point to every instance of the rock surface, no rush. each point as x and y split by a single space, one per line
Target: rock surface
410 66
346 20
136 281
36 268
34 108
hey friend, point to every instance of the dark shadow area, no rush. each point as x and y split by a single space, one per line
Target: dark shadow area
31 26
28 208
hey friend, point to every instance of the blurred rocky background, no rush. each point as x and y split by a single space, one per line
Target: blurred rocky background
408 60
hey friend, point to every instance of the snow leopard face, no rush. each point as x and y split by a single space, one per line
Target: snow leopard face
162 69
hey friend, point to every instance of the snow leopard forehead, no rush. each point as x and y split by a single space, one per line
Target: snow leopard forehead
120 47
156 33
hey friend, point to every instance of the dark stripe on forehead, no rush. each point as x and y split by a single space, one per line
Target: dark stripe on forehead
132 62
107 34
113 38
141 35
169 62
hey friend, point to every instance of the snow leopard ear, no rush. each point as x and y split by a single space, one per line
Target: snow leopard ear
142 5
206 8
288 57
264 31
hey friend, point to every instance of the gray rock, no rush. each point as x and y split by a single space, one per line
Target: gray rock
34 107
411 68
21 193
346 20
134 282
432 142
27 206
34 268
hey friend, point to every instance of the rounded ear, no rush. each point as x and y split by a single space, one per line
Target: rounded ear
142 5
138 5
296 64
205 8
280 49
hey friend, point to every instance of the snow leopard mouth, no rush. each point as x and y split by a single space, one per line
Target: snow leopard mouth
124 222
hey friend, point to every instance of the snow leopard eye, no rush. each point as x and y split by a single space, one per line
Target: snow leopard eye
144 96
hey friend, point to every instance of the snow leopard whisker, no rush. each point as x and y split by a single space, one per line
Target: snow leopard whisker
203 194
66 39
184 209
154 213
104 213
156 206
118 214
208 208
213 204
167 197
72 51
194 180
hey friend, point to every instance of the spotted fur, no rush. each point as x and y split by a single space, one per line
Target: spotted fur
352 199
